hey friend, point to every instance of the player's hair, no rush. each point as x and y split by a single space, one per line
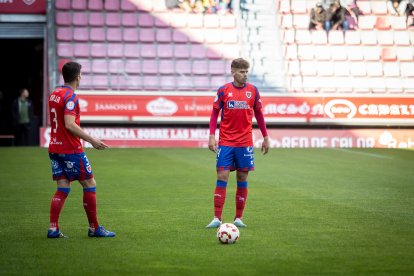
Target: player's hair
70 71
240 63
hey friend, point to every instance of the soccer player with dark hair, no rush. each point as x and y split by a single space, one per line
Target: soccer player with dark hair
237 101
66 153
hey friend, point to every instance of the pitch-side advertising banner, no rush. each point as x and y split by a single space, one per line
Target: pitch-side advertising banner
279 138
23 6
277 110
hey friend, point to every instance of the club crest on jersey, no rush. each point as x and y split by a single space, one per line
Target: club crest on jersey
248 94
70 105
231 94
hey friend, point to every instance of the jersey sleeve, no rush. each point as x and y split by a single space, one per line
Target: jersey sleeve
257 101
71 103
218 101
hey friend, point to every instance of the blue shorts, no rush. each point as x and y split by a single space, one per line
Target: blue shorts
70 166
235 158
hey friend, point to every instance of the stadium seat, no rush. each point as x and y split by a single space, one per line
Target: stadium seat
355 53
200 67
87 81
358 69
366 22
79 19
339 53
129 20
305 52
196 36
167 82
319 37
166 67
79 5
130 35
401 38
198 51
151 82
115 50
181 51
228 36
183 67
98 50
165 50
411 33
284 7
213 54
379 7
391 69
96 19
372 53
322 52
95 5
178 20
162 22
149 66
308 68
325 68
158 6
404 53
216 67
81 50
164 35
291 52
352 38
227 21
179 36
289 36
388 54
377 85
394 85
211 21
146 35
293 68
195 20
385 38
97 34
132 50
374 69
145 20
336 37
341 68
364 7
303 37
407 69
62 5
64 34
121 82
287 21
127 5
113 34
301 21
133 66
99 66
115 66
113 19
212 36
112 5
64 49
148 50
398 22
80 34
369 38
298 6
63 18
383 23
310 84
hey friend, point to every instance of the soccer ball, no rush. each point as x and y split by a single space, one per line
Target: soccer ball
228 233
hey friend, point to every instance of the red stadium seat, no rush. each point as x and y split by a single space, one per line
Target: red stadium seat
166 67
64 34
115 50
162 22
133 66
167 82
213 54
183 67
146 35
113 34
79 19
216 67
86 81
149 66
165 50
129 20
131 50
95 5
112 5
200 67
388 54
80 34
383 23
116 66
211 21
81 50
97 34
113 19
64 49
100 82
182 51
179 36
62 5
198 51
201 82
98 50
148 50
79 5
127 5
130 35
145 20
379 7
99 66
63 18
164 35
96 19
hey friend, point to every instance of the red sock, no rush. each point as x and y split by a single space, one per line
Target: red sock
56 205
219 198
241 196
89 204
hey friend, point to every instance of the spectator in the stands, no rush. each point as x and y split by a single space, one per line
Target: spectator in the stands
317 17
335 17
397 7
410 13
351 14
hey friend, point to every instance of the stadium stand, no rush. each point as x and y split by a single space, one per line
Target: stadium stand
376 58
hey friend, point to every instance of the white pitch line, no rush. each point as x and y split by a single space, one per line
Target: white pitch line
364 153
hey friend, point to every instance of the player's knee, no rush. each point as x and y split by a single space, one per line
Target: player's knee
241 177
88 183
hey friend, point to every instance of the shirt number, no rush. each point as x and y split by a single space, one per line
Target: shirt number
54 120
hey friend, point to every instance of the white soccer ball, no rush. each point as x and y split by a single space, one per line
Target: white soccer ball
228 233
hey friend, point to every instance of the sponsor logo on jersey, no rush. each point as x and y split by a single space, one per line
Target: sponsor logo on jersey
70 105
69 164
238 105
248 94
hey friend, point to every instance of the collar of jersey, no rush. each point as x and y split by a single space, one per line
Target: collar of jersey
238 87
67 86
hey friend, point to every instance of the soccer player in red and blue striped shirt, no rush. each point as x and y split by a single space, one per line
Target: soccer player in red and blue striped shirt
69 161
237 101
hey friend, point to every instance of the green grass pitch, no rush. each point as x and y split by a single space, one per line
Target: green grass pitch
309 212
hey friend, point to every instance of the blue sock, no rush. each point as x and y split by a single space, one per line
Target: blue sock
221 183
65 190
242 184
